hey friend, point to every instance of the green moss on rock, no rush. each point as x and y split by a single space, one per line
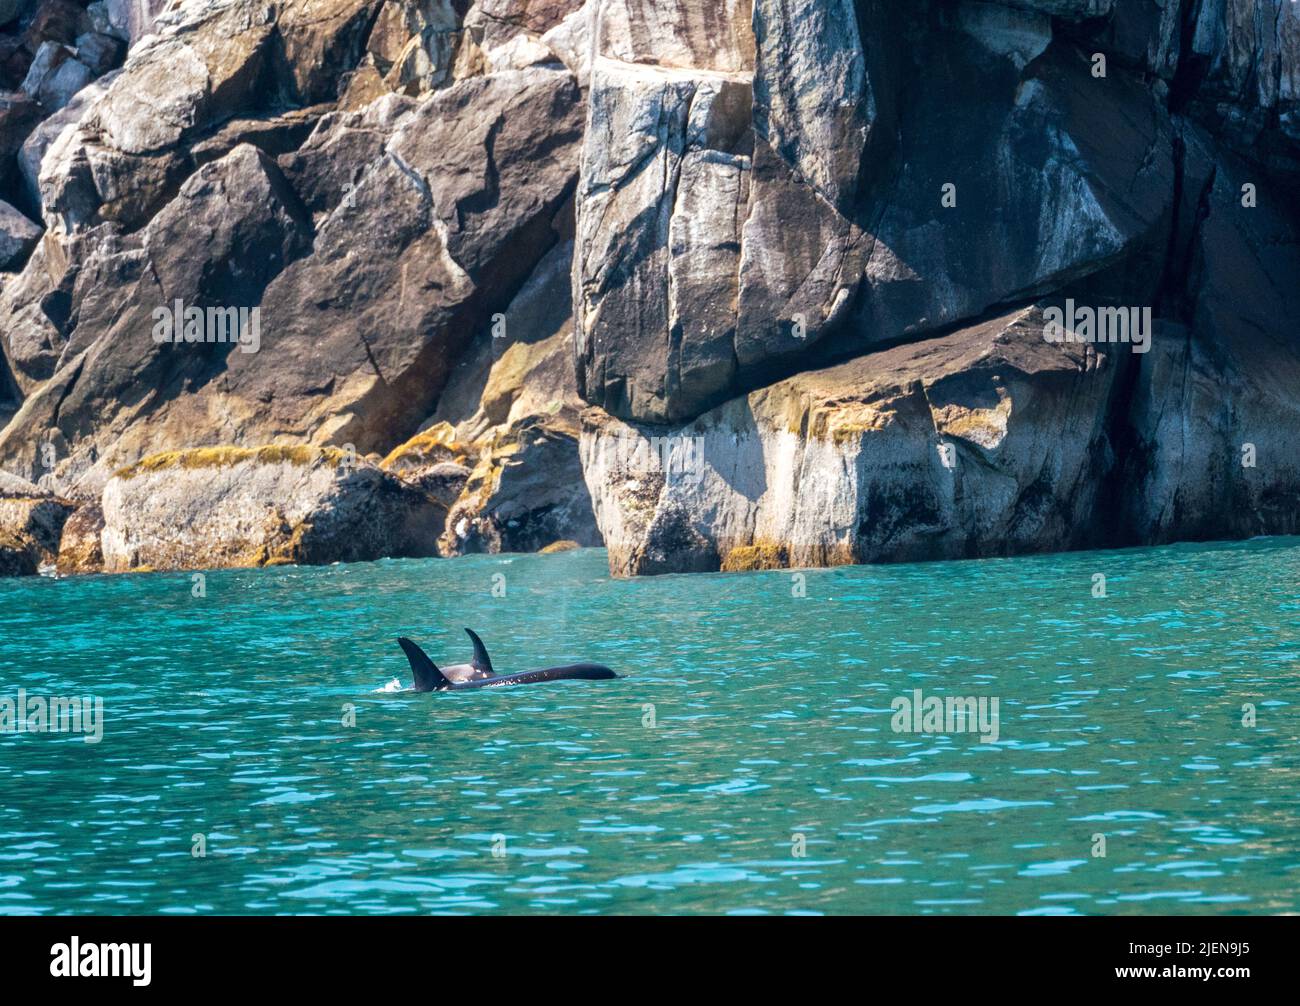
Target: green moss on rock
762 555
224 457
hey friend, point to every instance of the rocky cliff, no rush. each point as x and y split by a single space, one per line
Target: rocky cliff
725 284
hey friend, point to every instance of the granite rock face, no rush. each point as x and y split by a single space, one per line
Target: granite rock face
1006 155
514 398
18 236
663 134
219 507
81 548
506 253
105 390
372 252
31 524
1214 409
360 185
985 441
830 208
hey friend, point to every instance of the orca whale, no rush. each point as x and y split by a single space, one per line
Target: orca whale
479 666
479 674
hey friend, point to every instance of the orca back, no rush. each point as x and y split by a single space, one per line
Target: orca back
564 672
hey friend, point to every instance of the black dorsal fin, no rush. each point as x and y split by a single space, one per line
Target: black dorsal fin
427 676
481 662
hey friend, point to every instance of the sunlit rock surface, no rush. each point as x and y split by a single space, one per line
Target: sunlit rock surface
982 442
219 507
476 234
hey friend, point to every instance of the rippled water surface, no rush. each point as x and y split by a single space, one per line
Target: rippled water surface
224 717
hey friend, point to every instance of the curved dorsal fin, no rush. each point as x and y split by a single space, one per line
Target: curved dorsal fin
481 662
427 676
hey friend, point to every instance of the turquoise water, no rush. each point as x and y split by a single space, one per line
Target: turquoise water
224 717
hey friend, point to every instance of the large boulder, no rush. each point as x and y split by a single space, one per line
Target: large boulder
31 522
223 507
81 544
18 116
56 74
987 441
526 493
18 236
326 167
129 20
36 143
